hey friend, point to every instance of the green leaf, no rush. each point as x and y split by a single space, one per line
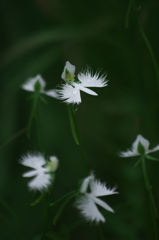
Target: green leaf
152 158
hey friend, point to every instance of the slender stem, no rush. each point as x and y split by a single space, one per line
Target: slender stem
62 207
73 123
36 95
62 198
76 136
12 138
47 217
147 43
128 14
38 200
153 207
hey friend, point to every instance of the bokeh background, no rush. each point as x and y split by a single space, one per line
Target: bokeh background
39 36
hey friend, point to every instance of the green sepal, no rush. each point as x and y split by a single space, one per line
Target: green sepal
140 149
152 158
37 86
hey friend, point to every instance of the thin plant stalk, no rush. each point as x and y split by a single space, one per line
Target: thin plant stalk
13 137
76 136
62 207
144 36
32 115
128 14
153 208
47 217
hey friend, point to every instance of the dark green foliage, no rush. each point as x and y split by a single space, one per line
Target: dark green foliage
38 37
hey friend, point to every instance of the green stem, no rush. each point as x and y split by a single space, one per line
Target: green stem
76 136
153 207
38 200
73 123
62 198
34 106
12 138
148 45
47 217
62 207
128 14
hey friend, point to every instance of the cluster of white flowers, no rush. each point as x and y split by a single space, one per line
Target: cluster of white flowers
42 170
135 150
70 91
90 190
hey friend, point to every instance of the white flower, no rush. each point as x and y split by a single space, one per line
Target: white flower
90 190
70 91
30 86
135 148
41 172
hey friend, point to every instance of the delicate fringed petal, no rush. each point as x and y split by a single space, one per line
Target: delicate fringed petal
71 69
90 190
40 182
30 83
89 210
70 94
89 80
33 160
100 189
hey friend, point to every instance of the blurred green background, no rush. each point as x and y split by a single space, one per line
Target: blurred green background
39 36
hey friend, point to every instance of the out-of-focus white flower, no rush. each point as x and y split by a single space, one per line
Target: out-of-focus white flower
70 91
42 170
136 150
90 190
30 85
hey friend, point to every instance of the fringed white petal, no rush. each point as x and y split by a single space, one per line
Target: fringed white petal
33 160
71 69
89 80
40 182
69 94
100 189
89 210
29 85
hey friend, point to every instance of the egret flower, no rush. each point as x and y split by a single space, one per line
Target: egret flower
90 190
39 83
70 91
140 146
42 170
